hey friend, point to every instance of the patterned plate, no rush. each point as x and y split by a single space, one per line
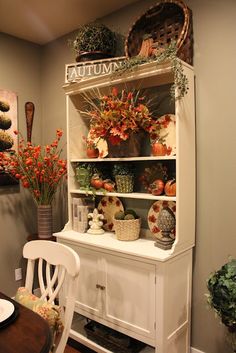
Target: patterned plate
153 214
108 206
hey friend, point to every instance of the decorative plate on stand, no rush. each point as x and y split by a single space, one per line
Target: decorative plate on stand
168 131
108 206
153 214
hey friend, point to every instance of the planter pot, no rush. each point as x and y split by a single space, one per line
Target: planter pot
44 221
124 183
127 148
83 177
90 56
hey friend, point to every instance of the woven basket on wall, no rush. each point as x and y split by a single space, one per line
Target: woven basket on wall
127 229
166 21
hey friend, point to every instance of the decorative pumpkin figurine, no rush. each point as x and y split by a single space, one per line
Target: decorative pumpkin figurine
170 188
109 185
91 147
96 181
92 152
159 149
157 187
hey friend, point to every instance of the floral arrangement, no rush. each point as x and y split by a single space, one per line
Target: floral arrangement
116 115
40 169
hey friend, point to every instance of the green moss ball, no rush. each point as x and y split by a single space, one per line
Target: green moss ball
5 122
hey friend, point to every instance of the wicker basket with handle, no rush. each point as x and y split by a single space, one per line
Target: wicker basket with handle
166 21
127 229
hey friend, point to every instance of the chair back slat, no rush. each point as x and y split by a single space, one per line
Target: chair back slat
55 263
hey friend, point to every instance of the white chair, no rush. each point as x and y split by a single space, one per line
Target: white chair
61 263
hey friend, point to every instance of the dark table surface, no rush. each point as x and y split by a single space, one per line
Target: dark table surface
26 333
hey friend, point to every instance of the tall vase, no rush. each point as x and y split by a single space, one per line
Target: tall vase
44 221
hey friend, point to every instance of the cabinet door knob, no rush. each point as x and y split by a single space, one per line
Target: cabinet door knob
98 286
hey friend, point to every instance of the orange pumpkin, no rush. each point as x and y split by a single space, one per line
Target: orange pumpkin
96 181
92 152
108 185
170 187
157 187
159 149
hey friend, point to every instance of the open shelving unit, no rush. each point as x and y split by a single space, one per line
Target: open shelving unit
146 291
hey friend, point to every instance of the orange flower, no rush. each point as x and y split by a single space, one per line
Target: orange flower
115 116
40 169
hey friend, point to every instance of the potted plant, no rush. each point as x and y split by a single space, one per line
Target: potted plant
127 225
83 174
41 170
121 118
91 148
222 297
124 177
93 41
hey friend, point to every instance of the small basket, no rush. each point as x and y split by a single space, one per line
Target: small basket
166 21
124 183
127 229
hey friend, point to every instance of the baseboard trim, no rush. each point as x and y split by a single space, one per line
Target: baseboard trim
194 350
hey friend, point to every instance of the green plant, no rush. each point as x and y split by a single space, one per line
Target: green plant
222 293
126 215
169 54
6 140
122 169
94 37
222 297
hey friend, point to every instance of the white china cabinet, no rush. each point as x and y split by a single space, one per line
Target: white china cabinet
135 287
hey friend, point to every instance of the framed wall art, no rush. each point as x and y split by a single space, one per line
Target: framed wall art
8 124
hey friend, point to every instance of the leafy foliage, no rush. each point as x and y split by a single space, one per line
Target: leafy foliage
117 115
94 37
122 169
222 288
169 54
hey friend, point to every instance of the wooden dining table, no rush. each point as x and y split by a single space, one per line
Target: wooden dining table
26 333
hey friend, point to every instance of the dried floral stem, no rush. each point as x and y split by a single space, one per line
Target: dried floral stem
40 169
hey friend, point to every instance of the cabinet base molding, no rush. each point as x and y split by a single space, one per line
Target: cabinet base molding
195 350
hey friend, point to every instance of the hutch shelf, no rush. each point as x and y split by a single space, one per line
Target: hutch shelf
135 287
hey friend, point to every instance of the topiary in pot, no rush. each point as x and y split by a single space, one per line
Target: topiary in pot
6 141
124 177
93 41
222 297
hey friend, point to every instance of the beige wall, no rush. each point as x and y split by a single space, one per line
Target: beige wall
19 72
214 57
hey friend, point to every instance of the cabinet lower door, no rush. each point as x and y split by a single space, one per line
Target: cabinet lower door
89 296
129 299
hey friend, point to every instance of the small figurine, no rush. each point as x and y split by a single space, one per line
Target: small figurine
95 225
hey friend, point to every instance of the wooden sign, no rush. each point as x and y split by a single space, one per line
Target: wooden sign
77 71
